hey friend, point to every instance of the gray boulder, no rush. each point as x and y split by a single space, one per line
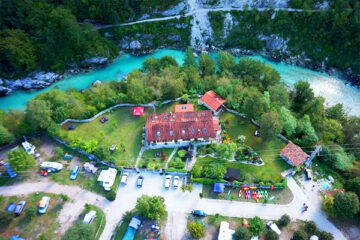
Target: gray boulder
135 45
175 10
181 25
124 44
5 91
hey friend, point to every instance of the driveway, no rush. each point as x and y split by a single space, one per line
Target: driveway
178 204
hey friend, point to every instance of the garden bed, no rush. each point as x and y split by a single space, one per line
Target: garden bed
155 159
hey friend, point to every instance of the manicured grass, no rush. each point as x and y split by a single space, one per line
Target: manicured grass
39 226
128 131
148 156
268 151
282 196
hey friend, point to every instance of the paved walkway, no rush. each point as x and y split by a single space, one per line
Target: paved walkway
175 200
142 150
170 157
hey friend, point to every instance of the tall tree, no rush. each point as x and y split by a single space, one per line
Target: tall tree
301 95
19 160
346 204
189 59
207 65
225 62
271 125
38 114
151 207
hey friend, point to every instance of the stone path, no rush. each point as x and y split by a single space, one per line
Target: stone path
170 157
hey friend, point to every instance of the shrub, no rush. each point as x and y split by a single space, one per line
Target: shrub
64 197
242 233
78 232
326 236
30 212
181 153
271 235
5 218
354 185
59 152
196 229
311 228
196 171
151 207
299 235
256 226
328 206
111 195
346 204
127 216
283 221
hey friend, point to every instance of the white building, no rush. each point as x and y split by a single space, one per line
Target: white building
225 233
107 178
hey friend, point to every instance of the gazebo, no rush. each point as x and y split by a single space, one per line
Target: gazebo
219 187
138 111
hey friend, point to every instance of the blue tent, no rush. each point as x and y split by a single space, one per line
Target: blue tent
13 237
219 187
11 172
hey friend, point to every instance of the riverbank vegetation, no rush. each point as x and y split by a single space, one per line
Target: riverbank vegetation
328 35
249 86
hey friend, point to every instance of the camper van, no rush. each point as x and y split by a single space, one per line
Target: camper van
43 204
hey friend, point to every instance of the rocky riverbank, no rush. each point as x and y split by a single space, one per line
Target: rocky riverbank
41 79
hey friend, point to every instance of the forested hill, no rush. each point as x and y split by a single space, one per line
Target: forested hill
46 34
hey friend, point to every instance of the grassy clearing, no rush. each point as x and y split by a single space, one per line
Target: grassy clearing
149 161
282 196
39 226
122 128
99 222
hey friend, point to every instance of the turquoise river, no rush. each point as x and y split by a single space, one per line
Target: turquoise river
333 89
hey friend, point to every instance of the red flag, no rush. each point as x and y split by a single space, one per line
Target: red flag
272 187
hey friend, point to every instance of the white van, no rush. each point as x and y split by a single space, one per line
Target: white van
271 225
176 181
89 217
43 204
167 181
124 178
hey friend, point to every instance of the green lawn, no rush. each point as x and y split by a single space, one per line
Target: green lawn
268 151
128 131
157 162
39 226
99 222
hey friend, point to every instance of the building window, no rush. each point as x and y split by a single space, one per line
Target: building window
183 107
205 130
186 115
174 116
203 114
192 130
171 132
158 133
191 115
183 132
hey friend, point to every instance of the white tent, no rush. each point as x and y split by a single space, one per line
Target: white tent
90 168
225 233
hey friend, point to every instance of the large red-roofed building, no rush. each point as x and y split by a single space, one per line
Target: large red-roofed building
293 154
179 126
212 100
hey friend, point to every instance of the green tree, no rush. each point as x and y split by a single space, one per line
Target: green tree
226 150
59 152
288 121
305 134
111 196
336 112
38 114
225 62
5 136
151 207
189 59
271 125
214 171
353 185
196 229
79 232
328 206
346 204
333 131
196 171
326 236
271 235
299 235
311 228
19 160
242 233
167 61
102 153
254 104
256 226
283 221
301 95
53 130
279 96
207 65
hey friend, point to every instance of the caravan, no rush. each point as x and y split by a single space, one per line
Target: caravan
28 147
107 178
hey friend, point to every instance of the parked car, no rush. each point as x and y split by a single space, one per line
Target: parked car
176 181
89 217
74 172
140 181
43 204
308 174
51 166
198 213
71 127
271 225
124 177
167 181
19 207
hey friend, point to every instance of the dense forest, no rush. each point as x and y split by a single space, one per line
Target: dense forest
332 36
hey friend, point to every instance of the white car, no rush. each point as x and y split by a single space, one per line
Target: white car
167 181
176 181
43 204
124 178
89 217
271 225
51 166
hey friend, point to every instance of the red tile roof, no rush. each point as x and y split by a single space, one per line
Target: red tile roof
184 108
138 111
294 154
213 100
216 125
174 126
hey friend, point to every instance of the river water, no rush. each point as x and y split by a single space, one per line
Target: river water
332 88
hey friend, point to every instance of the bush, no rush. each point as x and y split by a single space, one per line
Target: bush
256 226
111 195
181 153
151 207
311 228
346 204
299 235
64 197
271 235
328 206
353 185
326 236
242 233
196 229
79 232
5 218
283 221
30 212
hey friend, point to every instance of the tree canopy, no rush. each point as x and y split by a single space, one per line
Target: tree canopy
19 160
151 207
